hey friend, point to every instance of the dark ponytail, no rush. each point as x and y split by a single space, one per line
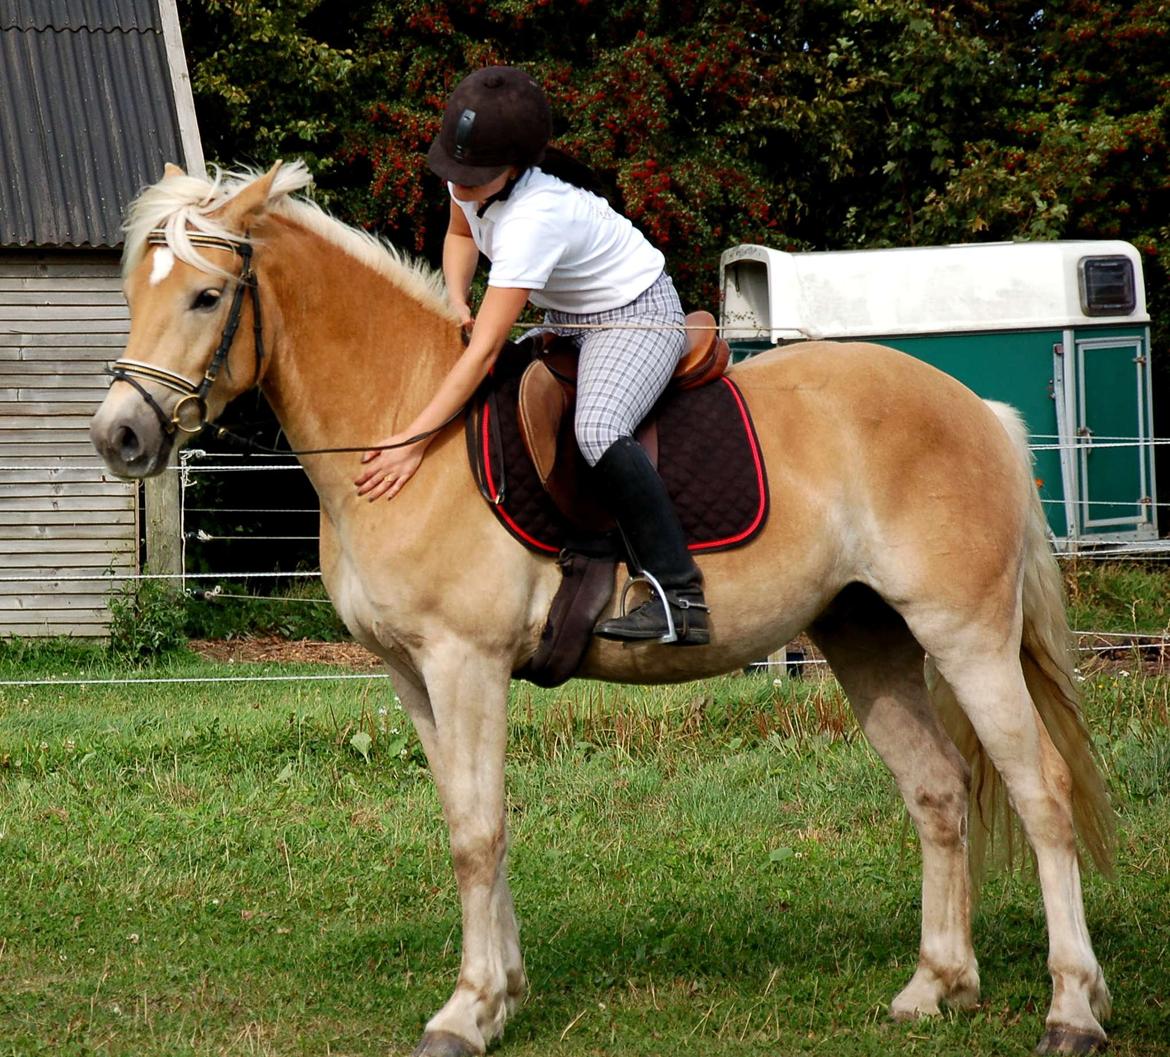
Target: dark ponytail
565 167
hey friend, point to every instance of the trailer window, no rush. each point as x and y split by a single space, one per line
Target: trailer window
1107 287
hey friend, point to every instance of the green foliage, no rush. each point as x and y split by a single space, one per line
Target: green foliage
22 658
147 620
813 125
302 611
1080 144
269 77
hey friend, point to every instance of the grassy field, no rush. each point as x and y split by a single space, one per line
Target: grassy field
721 868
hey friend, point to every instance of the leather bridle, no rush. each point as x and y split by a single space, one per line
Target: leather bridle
189 415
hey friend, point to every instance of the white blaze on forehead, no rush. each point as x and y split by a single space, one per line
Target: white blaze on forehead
164 261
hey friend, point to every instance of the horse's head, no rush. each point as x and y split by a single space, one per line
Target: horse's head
188 279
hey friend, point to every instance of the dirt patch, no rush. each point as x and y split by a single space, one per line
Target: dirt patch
1098 653
1148 654
273 649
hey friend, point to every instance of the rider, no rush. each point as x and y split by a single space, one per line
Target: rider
553 242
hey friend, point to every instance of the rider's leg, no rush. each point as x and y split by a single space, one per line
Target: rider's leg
644 511
623 370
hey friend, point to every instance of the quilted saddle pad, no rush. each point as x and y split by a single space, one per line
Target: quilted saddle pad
708 456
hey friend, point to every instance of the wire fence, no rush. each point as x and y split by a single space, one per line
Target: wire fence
196 464
790 664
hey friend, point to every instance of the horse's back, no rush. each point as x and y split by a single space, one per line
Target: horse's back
857 372
872 409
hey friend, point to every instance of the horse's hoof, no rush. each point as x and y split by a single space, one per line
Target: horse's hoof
444 1044
906 1014
963 998
1069 1040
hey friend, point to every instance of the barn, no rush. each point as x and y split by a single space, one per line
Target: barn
94 98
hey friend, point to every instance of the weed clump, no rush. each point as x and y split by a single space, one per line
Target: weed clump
147 621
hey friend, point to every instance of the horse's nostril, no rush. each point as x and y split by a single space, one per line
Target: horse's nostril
128 444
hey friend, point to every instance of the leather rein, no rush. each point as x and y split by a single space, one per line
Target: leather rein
189 415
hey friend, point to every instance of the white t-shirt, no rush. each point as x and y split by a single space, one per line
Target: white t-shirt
566 245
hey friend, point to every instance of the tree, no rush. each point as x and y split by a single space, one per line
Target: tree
654 97
270 79
809 125
805 124
1081 148
713 122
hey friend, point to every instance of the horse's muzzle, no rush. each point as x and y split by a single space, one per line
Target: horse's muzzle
128 436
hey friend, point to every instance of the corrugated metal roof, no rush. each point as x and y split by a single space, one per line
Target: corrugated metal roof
87 117
80 14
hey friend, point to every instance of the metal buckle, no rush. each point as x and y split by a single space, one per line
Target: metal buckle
463 134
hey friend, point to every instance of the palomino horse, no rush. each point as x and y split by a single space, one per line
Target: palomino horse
909 541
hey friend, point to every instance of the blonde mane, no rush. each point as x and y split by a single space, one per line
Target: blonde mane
181 203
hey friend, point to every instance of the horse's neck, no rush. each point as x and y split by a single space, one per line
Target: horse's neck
355 356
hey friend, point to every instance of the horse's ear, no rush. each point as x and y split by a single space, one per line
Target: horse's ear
171 169
249 202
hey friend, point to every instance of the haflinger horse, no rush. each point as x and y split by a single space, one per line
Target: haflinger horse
908 541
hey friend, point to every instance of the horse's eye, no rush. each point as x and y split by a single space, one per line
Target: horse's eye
206 300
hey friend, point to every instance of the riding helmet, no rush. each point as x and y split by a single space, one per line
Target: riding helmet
497 117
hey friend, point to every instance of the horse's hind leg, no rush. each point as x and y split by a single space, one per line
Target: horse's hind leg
880 666
461 719
990 687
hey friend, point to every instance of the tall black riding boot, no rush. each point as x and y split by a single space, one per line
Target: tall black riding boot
645 513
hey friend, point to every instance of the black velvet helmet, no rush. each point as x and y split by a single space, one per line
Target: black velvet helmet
497 117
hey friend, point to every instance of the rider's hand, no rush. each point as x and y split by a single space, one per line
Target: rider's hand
384 472
466 319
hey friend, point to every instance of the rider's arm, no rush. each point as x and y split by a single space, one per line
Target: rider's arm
385 472
500 309
460 259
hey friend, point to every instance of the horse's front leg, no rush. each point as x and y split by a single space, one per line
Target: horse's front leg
459 709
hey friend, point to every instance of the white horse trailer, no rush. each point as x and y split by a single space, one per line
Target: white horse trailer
1057 329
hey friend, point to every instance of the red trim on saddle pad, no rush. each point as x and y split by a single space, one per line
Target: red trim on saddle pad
709 459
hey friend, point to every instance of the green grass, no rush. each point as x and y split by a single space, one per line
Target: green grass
721 868
1121 597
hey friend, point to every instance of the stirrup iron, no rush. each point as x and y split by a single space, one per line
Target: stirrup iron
644 577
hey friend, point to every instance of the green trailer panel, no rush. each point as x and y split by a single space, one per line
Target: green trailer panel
1113 475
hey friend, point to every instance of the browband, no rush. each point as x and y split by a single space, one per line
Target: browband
158 237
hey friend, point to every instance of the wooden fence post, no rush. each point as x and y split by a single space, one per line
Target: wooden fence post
164 550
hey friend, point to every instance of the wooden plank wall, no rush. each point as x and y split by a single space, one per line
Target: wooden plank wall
62 516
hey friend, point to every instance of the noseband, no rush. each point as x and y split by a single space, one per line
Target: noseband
193 396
